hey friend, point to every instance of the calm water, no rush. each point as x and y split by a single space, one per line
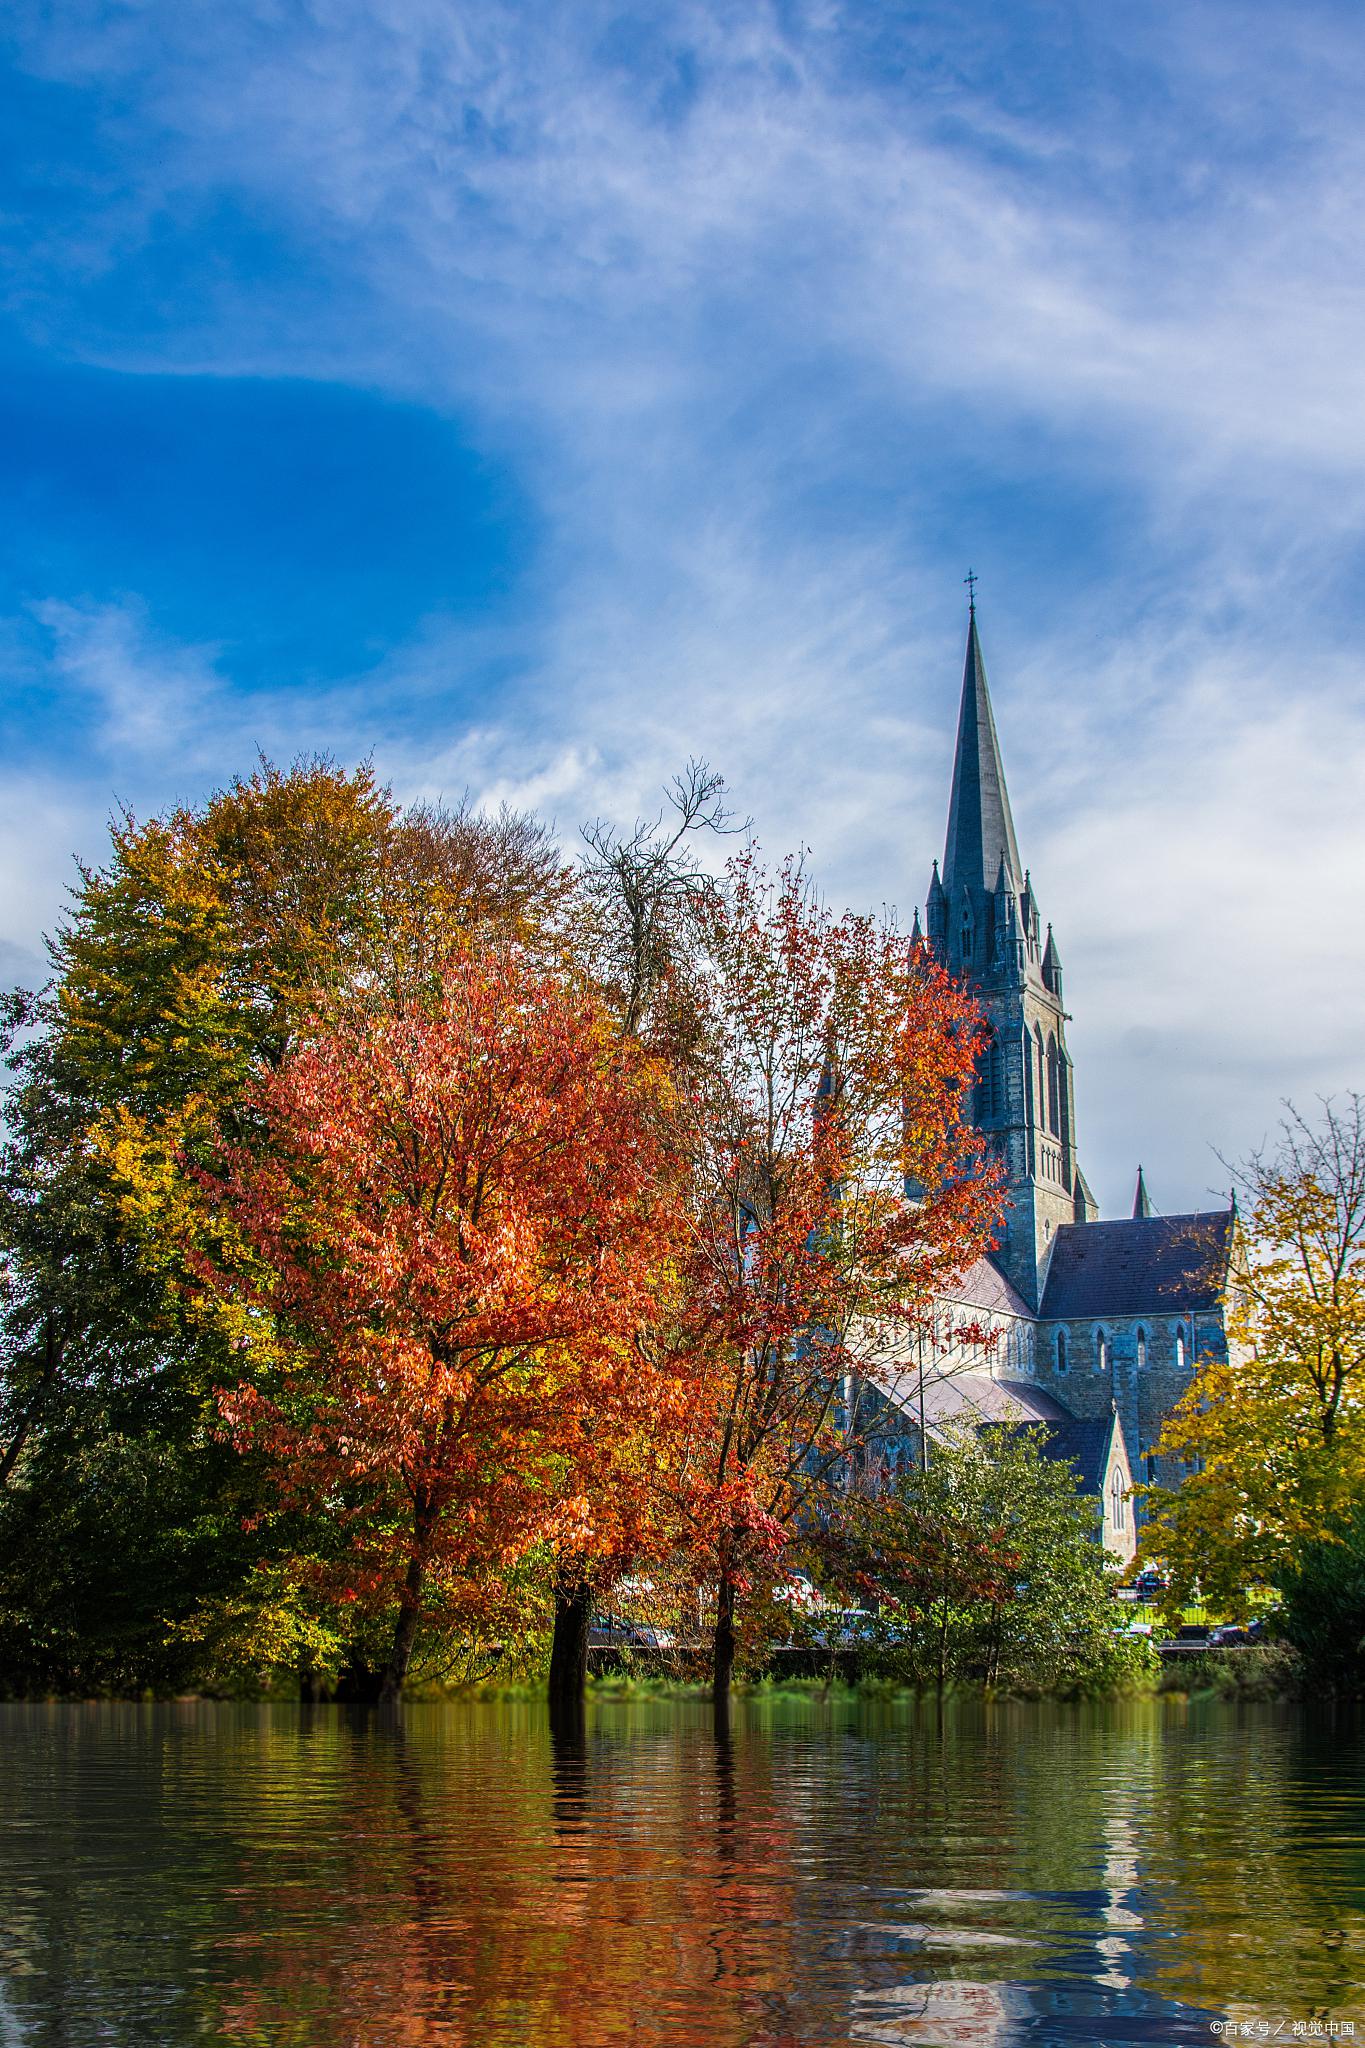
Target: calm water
832 1873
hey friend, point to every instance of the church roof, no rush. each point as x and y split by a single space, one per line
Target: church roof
1082 1445
980 828
1146 1265
970 1399
985 1286
977 1398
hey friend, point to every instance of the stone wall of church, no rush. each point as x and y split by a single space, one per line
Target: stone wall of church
1145 1369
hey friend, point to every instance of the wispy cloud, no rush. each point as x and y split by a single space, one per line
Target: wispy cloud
779 317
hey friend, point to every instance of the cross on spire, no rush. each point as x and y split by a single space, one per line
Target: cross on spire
971 580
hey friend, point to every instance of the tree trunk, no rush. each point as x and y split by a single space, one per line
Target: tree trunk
569 1650
723 1659
53 1351
405 1631
943 1643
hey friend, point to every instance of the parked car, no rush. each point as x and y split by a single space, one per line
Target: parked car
614 1632
1229 1635
845 1628
1151 1584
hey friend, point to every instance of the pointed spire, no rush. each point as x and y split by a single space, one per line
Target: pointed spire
916 933
1142 1201
980 828
1052 965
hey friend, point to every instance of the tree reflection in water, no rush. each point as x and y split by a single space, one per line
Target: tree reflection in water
808 1873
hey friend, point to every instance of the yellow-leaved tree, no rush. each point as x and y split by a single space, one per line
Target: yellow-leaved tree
1273 1437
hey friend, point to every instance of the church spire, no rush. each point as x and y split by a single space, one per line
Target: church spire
980 828
1142 1201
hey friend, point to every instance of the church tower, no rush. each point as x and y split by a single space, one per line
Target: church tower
982 922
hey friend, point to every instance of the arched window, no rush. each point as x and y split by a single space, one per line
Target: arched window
1180 1347
1117 1499
1054 1115
990 1092
1101 1352
966 933
1038 1061
1142 1350
1028 1349
1061 1350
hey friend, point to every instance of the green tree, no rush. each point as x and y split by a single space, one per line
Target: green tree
985 1567
1323 1594
1273 1436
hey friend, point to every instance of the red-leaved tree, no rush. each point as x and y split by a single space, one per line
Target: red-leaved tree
834 1188
451 1249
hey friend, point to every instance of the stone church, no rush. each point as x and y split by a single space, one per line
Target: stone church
1091 1327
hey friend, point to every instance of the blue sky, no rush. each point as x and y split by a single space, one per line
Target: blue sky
530 397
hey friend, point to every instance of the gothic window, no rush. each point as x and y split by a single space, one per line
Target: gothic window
1061 1350
1142 1350
1028 1350
1151 1468
966 934
1180 1347
990 1088
1101 1352
1054 1118
1116 1496
1041 1094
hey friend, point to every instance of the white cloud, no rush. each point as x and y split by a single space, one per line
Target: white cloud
683 325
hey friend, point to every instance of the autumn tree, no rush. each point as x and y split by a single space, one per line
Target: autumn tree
831 1067
455 1238
1273 1436
181 974
635 921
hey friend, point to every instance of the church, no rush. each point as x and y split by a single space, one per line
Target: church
1084 1329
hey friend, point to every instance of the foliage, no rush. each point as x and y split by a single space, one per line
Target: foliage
985 1568
1274 1437
458 1238
1259 1671
1323 1611
828 1071
182 973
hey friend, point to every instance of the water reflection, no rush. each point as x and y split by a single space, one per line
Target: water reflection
802 1874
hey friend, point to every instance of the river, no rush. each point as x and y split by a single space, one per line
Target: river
833 1871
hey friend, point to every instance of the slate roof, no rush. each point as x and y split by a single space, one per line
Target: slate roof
970 1397
977 1397
1082 1445
1146 1265
980 828
984 1286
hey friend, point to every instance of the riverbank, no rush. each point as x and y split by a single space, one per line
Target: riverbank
1267 1672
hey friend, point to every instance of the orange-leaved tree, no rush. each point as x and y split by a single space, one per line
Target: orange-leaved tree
452 1246
834 1187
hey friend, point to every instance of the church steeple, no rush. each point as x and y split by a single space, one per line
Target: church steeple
981 920
980 828
1142 1201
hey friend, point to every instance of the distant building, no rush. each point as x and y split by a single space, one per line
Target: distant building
1096 1324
